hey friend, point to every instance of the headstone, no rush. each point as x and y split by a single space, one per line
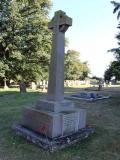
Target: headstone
33 86
113 80
22 87
5 84
100 84
53 115
40 83
44 86
110 83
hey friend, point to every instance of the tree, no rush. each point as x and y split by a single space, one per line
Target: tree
74 68
25 40
36 41
114 68
117 8
3 68
116 50
9 40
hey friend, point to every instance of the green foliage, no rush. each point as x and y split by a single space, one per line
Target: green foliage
25 40
116 8
114 68
3 68
74 68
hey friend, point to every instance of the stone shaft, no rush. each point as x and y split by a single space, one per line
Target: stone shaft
56 73
59 25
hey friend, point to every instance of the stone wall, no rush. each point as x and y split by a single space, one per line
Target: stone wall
75 83
67 83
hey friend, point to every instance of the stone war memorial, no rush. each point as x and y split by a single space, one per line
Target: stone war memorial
54 123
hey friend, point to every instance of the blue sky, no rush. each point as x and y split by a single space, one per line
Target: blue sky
93 30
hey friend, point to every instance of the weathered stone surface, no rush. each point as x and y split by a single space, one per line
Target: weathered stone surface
42 122
54 124
55 143
82 118
54 106
59 24
70 122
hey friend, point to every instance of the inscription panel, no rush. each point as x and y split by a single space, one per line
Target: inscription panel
70 123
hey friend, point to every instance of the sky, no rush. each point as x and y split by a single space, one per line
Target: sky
92 32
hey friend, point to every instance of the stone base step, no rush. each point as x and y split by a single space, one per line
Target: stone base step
51 144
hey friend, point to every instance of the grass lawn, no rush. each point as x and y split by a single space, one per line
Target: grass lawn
104 115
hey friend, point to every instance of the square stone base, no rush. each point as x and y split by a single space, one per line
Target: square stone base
54 124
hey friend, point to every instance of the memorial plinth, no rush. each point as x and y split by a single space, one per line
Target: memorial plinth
54 124
53 116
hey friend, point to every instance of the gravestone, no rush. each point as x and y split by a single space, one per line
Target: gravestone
33 86
100 84
44 86
5 84
53 116
22 87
